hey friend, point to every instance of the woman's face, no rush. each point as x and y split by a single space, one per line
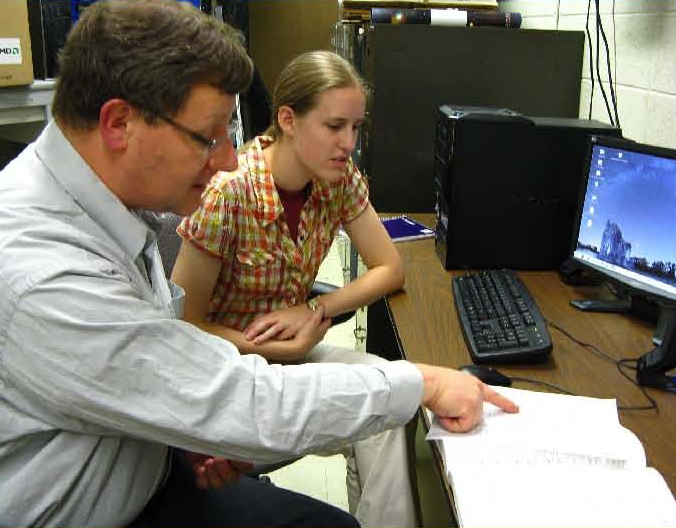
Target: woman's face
324 138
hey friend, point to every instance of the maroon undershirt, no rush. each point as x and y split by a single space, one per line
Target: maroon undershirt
293 202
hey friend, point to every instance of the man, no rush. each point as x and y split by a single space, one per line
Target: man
97 375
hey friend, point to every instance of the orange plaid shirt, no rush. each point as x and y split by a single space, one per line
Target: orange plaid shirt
242 222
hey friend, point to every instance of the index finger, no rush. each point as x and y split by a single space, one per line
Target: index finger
498 400
272 331
242 465
226 470
257 327
214 478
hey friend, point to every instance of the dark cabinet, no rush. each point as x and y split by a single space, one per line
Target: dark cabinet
413 69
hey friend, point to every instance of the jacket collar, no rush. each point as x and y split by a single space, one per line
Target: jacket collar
78 179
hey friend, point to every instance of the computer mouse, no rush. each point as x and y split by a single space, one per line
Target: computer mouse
488 375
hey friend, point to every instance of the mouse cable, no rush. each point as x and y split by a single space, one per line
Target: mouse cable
544 383
619 363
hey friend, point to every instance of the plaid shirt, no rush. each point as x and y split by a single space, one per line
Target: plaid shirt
242 221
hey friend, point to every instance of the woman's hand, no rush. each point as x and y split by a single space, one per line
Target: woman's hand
307 337
280 324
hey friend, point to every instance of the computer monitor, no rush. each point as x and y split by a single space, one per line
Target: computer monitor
626 220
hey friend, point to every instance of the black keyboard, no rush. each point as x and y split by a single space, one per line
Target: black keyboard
499 319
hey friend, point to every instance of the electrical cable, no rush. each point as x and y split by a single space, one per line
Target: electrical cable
619 363
624 363
610 75
615 54
591 60
584 344
598 68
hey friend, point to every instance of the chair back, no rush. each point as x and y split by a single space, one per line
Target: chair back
168 241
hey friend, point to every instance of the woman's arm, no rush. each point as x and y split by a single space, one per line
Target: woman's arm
385 272
197 272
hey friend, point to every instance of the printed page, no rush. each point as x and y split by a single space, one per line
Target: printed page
562 497
550 429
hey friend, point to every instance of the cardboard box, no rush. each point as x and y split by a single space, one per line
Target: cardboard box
16 63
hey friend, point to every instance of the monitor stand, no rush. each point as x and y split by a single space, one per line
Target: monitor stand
664 317
606 300
602 305
644 308
653 366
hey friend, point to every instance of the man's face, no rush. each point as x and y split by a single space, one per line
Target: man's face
169 169
324 138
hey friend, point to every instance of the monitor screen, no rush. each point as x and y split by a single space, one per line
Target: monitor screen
627 215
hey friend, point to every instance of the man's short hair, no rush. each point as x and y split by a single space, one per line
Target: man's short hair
149 53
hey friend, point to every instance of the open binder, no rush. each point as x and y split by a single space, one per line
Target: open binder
561 461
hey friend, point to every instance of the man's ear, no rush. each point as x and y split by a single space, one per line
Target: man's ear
115 119
286 119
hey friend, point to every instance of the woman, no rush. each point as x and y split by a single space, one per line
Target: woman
252 251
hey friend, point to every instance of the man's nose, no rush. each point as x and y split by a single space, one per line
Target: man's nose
224 158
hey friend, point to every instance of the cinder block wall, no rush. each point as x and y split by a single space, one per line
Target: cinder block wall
642 40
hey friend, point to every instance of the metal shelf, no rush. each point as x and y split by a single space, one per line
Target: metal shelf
26 104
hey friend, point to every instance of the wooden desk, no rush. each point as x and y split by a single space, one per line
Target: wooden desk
427 331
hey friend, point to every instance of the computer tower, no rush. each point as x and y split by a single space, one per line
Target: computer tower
507 186
413 69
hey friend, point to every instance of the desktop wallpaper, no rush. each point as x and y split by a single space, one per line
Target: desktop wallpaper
629 215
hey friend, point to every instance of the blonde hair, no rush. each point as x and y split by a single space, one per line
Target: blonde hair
305 78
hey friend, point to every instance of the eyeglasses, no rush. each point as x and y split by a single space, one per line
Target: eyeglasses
209 145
